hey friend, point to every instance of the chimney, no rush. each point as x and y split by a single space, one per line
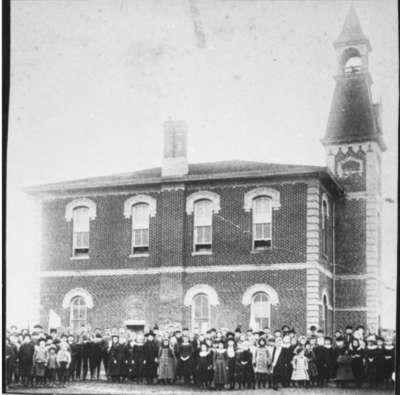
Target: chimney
175 145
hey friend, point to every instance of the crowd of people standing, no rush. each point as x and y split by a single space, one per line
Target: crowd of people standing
215 359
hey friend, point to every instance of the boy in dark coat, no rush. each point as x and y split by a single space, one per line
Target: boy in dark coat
151 356
114 364
95 356
322 360
25 357
389 362
370 362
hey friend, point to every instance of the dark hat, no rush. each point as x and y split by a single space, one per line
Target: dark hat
349 327
151 333
285 328
230 334
328 338
380 338
360 327
313 328
98 335
38 326
340 339
156 328
320 331
185 329
213 330
238 328
261 333
292 331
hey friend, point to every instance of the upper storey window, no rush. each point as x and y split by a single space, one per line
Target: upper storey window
140 228
140 208
80 240
202 225
80 212
202 204
261 201
262 223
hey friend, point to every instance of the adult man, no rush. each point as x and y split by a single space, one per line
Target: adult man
280 364
25 357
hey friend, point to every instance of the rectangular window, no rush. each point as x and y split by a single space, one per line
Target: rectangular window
80 239
202 226
262 227
140 228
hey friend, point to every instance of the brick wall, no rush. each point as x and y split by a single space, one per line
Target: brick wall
171 232
350 236
350 293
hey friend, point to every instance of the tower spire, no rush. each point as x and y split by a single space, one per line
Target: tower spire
351 32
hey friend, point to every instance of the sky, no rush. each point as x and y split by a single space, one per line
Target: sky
93 81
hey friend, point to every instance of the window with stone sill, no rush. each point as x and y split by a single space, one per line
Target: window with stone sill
262 223
80 238
203 214
140 228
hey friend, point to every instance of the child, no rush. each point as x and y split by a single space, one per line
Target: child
52 365
167 363
370 362
244 366
344 372
204 365
186 359
357 362
300 367
230 353
389 362
63 362
220 366
262 361
312 367
40 358
380 361
114 363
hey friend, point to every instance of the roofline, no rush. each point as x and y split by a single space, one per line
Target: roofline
320 172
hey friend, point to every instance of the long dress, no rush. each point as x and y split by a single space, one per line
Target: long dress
166 364
130 357
344 367
357 365
114 363
380 364
220 364
151 355
389 362
370 365
204 365
244 367
300 368
312 367
185 362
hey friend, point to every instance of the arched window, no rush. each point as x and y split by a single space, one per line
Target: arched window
262 218
201 312
350 167
324 227
80 239
140 228
325 314
78 314
351 61
203 213
260 314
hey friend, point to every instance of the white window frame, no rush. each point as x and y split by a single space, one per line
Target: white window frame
145 248
196 245
75 247
84 308
208 318
253 323
254 224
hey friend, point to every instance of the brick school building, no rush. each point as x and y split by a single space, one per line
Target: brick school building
226 243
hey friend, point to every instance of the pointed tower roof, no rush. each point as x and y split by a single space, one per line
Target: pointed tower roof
351 32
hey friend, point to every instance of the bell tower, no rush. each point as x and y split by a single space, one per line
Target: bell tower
354 146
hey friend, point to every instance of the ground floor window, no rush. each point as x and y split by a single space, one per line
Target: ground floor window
78 314
201 313
260 315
